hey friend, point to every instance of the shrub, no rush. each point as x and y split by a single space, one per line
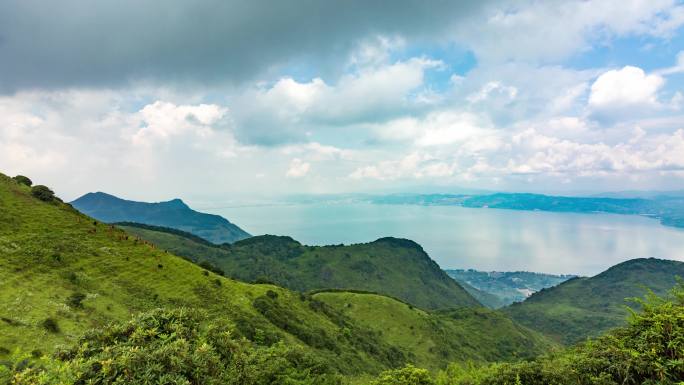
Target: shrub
43 193
408 375
23 180
175 347
211 267
75 300
50 325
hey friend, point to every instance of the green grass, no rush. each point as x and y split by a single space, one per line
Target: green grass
50 252
588 307
395 267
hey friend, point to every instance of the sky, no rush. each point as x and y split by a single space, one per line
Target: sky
211 99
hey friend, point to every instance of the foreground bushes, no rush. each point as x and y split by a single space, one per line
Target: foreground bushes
181 347
649 350
172 347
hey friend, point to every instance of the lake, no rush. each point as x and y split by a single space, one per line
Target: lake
483 239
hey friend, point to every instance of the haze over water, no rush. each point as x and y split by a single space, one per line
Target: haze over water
484 239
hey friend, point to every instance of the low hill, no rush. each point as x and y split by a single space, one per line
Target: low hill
587 307
391 266
174 214
432 340
506 286
63 273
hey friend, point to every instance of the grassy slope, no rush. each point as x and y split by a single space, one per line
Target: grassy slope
585 307
396 267
49 252
432 340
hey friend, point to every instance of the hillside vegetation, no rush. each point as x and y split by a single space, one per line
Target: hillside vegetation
648 350
586 307
63 273
395 267
432 340
174 214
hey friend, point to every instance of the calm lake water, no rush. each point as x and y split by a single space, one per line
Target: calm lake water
484 239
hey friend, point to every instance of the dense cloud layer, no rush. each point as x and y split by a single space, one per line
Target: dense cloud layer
85 43
148 99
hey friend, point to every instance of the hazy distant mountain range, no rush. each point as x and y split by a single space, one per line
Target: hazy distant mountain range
174 214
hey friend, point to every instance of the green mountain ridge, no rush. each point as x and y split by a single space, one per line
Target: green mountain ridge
391 266
587 307
174 214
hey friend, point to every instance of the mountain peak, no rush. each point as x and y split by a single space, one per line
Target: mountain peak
173 213
176 203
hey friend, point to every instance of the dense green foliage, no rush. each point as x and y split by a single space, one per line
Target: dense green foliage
43 193
23 180
391 266
584 307
506 287
174 214
173 347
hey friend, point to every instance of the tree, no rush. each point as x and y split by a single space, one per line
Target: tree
23 180
43 193
408 375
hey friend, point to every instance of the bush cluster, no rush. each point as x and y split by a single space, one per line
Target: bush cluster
175 347
43 193
23 180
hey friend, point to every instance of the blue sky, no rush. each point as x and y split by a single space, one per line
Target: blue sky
230 99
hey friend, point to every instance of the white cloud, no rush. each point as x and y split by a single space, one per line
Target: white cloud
493 88
553 30
531 153
298 168
440 128
626 87
161 120
285 111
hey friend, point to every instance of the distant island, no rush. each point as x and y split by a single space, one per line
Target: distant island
669 209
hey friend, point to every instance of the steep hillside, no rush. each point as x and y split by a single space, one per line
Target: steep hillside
62 273
506 286
174 214
395 267
432 340
584 307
